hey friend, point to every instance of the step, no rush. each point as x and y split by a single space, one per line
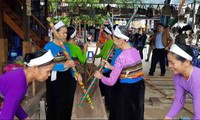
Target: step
155 101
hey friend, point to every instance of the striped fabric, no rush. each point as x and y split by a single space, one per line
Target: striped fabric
132 71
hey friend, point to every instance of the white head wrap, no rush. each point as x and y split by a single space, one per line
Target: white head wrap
177 50
74 33
119 34
47 57
108 31
57 26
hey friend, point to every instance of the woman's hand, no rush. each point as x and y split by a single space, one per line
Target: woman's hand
98 44
107 64
79 78
98 74
167 118
28 118
69 63
167 48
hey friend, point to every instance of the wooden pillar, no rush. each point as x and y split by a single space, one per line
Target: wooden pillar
26 21
46 15
28 47
4 50
3 53
1 19
33 49
3 42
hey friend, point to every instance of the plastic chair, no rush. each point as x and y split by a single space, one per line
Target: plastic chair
90 55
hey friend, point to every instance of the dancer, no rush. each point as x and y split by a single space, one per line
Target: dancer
58 94
186 79
14 84
129 96
76 52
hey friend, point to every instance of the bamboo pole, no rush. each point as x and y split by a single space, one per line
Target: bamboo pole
33 48
95 79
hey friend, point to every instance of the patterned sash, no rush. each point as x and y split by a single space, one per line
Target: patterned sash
132 71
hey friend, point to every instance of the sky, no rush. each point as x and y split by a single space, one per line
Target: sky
162 1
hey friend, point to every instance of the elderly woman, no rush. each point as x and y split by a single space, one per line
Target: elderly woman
186 79
14 84
59 84
129 96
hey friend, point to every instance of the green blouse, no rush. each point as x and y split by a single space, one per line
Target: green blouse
106 47
76 52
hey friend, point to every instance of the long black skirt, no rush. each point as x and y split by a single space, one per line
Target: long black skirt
128 102
60 96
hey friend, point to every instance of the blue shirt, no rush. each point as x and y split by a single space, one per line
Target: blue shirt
117 53
159 43
55 50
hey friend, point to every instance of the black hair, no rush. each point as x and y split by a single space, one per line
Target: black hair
167 26
167 2
154 31
114 26
185 48
180 30
29 56
109 28
70 31
160 24
187 27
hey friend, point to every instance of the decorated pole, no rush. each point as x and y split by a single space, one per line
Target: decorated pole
73 68
132 16
92 84
84 32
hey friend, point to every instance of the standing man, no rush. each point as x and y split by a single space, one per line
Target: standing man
162 42
141 43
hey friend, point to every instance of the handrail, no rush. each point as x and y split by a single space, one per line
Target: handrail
33 16
38 22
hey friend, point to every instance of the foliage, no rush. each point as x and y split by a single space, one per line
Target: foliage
98 19
66 19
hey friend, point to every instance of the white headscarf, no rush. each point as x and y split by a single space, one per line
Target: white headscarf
119 34
108 31
177 50
74 33
47 57
57 26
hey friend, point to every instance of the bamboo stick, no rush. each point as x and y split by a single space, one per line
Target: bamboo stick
95 79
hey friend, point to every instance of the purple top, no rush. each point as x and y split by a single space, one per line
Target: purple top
13 88
127 57
182 87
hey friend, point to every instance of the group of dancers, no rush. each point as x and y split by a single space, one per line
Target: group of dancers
122 78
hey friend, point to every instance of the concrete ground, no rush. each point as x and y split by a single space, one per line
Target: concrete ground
157 94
